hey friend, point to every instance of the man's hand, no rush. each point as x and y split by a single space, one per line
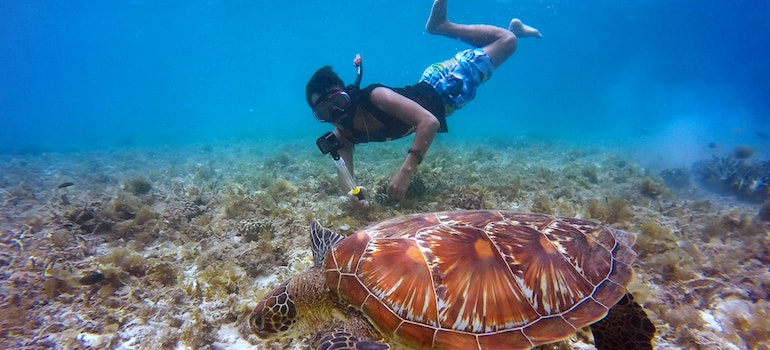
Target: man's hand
355 202
398 185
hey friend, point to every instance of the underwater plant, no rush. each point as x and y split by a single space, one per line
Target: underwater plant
652 188
282 188
612 210
125 205
469 197
163 273
591 173
137 186
416 190
542 204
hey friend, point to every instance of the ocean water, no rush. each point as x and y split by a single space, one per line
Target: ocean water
167 146
90 74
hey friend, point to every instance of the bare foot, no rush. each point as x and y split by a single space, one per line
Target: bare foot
437 20
522 30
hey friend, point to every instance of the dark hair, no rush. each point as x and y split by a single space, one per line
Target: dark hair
321 79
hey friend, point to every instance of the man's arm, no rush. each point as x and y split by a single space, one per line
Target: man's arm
426 125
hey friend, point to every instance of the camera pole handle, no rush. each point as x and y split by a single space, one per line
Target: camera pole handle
347 179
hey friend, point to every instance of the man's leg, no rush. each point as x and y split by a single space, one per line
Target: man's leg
498 43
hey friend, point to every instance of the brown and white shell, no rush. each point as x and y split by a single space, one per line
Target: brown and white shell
481 279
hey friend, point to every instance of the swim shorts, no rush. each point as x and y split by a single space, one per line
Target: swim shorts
456 79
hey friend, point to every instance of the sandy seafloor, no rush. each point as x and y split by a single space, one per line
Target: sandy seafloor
188 238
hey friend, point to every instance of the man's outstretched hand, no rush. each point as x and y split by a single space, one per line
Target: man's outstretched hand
359 202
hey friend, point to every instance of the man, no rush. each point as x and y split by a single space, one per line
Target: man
378 113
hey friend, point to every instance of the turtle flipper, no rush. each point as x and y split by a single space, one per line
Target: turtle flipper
626 326
346 341
321 239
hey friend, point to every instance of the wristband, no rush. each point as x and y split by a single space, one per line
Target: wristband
417 154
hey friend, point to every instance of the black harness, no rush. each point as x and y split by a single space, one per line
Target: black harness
422 93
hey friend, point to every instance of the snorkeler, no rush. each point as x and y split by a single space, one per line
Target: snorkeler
377 113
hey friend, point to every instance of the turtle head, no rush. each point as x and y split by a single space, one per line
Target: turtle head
274 316
299 302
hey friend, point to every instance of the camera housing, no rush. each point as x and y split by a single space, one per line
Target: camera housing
329 143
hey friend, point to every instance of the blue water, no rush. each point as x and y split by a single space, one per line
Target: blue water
670 76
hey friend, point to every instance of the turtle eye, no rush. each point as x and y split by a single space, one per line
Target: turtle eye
275 315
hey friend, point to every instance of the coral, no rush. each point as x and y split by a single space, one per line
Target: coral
193 209
676 178
256 230
726 175
718 174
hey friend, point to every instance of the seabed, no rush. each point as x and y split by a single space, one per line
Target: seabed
171 247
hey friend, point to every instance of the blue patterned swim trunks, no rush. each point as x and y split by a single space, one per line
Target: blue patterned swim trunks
456 79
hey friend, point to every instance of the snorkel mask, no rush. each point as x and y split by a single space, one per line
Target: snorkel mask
332 107
337 104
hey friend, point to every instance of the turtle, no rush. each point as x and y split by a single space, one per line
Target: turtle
472 279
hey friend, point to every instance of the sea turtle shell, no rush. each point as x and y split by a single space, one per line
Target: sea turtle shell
481 279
